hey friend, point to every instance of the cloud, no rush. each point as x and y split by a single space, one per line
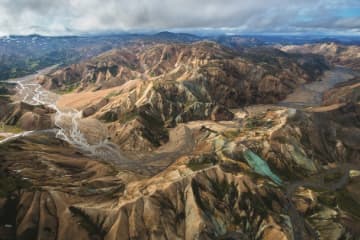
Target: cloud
84 16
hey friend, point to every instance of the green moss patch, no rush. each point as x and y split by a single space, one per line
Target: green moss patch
342 199
202 162
347 203
94 231
257 122
231 134
68 89
10 129
10 184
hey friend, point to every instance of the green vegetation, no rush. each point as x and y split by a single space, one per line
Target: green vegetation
250 203
112 94
347 203
331 177
152 120
281 139
94 231
343 199
10 128
9 184
14 66
26 58
110 116
155 134
204 161
203 203
153 130
327 199
224 190
86 190
128 116
68 89
231 134
113 70
3 91
258 121
114 192
236 219
196 90
356 95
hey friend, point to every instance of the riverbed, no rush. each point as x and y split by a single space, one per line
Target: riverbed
310 94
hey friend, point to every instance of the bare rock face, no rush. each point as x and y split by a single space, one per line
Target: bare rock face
207 191
27 117
235 203
309 140
187 167
334 53
174 209
343 93
138 135
230 77
178 83
94 108
36 204
305 200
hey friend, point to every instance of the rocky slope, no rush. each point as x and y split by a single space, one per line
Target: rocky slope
191 166
256 76
23 115
216 190
165 84
343 93
335 53
179 195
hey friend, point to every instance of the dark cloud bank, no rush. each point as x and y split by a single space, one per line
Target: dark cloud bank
226 16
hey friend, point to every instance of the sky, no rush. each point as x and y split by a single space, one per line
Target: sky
71 17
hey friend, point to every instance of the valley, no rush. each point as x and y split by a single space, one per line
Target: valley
190 140
310 95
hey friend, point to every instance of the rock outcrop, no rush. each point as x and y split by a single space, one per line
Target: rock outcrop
25 116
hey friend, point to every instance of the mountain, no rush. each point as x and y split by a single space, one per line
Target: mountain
22 55
174 83
166 138
345 55
211 186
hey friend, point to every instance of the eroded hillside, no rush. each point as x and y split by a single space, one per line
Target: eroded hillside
166 84
196 161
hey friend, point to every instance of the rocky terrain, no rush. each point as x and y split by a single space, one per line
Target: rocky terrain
345 55
206 149
343 93
165 84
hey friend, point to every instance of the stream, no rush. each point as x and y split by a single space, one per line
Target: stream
69 122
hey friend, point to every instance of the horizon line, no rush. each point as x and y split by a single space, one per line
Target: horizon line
198 33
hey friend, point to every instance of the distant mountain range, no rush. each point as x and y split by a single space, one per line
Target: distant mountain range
22 55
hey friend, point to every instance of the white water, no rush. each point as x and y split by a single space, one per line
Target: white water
68 122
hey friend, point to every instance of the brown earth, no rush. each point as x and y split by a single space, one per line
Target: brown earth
186 174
